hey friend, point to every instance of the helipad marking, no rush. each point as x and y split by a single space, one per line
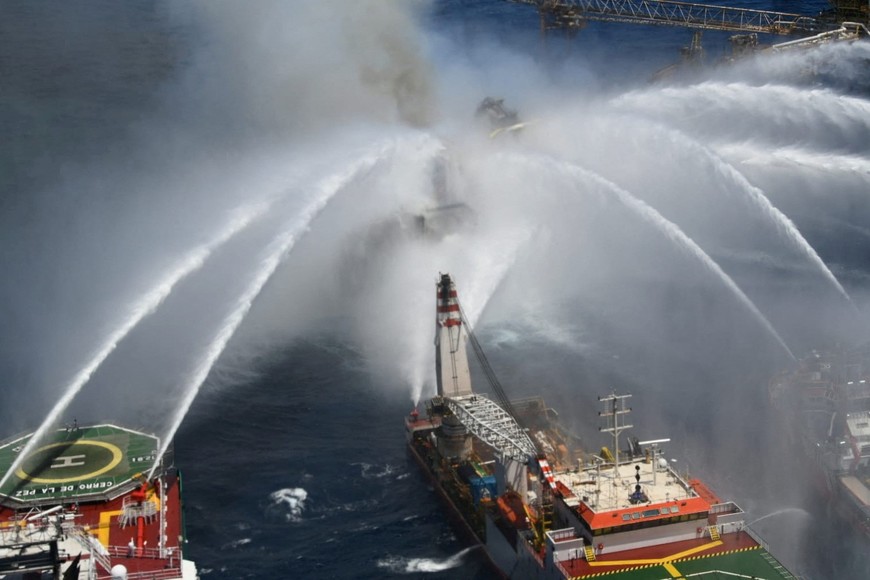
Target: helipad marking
671 570
666 561
117 455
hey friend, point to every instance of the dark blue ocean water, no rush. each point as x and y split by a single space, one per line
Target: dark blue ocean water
293 453
317 423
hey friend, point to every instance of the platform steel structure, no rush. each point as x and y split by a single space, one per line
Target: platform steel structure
493 425
573 14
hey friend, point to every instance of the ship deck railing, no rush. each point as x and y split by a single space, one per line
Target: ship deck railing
152 553
754 535
91 545
167 574
565 572
778 567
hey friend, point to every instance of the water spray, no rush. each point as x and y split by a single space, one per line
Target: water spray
142 308
821 113
797 157
783 225
489 285
274 255
416 392
668 228
798 511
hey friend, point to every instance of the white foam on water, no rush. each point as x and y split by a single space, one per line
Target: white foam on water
369 471
403 565
238 543
290 499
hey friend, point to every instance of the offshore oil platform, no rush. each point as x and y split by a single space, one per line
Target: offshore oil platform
846 20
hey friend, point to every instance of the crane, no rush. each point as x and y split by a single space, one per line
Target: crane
574 14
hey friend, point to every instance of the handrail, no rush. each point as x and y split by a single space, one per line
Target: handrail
166 574
153 553
96 550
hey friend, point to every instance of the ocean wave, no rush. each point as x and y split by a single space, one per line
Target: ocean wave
405 565
365 527
291 500
237 543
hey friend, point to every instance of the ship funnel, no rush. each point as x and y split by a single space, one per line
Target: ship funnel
451 359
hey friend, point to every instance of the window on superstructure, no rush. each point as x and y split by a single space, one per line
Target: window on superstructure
643 524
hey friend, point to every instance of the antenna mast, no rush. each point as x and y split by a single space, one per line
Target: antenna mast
615 408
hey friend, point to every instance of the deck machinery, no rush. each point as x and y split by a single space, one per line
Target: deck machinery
540 506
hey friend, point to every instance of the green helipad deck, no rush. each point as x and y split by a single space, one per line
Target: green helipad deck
754 563
76 464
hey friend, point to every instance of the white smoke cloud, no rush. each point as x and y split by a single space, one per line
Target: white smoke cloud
298 67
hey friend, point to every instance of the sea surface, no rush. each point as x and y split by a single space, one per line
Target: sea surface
219 221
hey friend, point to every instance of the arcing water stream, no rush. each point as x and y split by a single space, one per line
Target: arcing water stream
671 231
763 184
274 254
142 308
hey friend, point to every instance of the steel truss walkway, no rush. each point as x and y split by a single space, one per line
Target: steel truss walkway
492 424
574 14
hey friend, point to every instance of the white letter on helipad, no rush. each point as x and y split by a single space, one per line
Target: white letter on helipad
67 461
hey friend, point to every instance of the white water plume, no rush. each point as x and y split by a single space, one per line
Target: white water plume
273 257
671 230
142 308
844 62
792 510
479 276
716 110
417 385
404 565
781 221
491 269
732 182
822 161
562 335
234 83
